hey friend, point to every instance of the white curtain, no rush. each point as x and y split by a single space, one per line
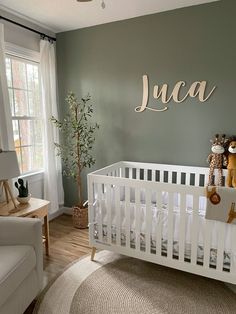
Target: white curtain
53 189
6 132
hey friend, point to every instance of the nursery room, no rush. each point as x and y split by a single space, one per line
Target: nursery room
117 156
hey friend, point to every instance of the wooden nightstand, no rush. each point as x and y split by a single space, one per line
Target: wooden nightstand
36 208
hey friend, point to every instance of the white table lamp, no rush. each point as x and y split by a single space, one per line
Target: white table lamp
9 169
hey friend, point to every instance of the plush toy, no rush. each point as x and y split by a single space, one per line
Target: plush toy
217 159
231 177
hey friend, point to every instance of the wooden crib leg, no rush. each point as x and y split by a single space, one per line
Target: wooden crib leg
93 253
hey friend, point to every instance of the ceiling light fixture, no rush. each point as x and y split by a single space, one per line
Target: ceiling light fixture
103 5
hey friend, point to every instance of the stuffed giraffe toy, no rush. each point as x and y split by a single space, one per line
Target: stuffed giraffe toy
232 214
231 177
217 159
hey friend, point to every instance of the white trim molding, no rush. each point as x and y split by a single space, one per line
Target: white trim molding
33 176
22 52
67 210
57 213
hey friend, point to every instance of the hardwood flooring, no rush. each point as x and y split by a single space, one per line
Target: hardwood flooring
67 244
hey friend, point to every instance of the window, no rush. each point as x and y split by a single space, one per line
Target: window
26 110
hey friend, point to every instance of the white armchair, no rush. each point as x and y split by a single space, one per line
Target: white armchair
21 263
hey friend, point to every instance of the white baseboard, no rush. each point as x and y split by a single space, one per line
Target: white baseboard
67 210
57 213
62 210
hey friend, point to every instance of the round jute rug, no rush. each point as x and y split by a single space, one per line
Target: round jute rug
118 284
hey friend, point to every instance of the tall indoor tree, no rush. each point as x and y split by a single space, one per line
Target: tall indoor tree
78 138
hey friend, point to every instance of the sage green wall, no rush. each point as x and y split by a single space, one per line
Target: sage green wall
108 61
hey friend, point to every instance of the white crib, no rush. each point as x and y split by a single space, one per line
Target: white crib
156 212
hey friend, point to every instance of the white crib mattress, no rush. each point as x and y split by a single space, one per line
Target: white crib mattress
160 218
164 244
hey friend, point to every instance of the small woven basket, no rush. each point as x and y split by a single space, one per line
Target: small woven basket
80 217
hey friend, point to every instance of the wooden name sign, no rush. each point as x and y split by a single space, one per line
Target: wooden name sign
197 89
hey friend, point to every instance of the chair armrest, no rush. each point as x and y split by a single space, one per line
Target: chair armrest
20 231
24 231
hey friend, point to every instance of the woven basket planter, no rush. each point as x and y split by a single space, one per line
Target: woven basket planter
80 217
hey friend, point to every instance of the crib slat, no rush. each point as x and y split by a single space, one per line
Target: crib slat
130 173
138 174
127 216
117 210
159 223
148 220
187 178
233 250
207 243
182 226
221 243
153 176
170 225
91 198
194 229
137 218
100 197
108 196
178 179
161 176
197 179
145 174
169 176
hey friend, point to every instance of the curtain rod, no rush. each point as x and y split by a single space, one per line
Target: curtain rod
28 28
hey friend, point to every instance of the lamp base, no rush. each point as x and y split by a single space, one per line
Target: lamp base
8 192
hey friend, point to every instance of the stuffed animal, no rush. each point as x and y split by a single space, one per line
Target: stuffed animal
217 159
231 177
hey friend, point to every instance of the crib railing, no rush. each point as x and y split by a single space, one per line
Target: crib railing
195 176
127 184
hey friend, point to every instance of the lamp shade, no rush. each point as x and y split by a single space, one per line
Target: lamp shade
9 167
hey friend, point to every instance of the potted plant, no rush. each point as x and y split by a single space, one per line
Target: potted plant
76 148
24 195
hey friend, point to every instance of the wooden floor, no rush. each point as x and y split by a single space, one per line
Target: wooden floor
67 244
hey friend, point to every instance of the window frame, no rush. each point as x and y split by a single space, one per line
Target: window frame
32 57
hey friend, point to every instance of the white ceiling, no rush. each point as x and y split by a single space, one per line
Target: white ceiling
63 15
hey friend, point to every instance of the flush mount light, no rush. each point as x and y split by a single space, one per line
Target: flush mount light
103 5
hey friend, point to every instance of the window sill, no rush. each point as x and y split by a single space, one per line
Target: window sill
33 176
